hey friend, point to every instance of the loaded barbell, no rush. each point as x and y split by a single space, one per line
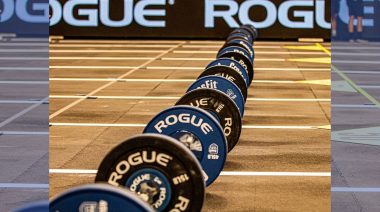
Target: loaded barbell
182 149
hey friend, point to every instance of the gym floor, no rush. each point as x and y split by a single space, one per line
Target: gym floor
104 91
24 139
355 137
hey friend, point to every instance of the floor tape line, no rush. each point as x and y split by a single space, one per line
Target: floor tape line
23 112
224 173
143 125
183 68
356 189
24 186
256 52
256 69
177 97
21 102
172 80
23 133
26 82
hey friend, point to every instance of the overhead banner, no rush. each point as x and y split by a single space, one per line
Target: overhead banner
189 18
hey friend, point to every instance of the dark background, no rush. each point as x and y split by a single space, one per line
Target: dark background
185 19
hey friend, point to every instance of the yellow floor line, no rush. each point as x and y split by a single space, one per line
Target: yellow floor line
317 82
348 80
313 48
325 60
326 127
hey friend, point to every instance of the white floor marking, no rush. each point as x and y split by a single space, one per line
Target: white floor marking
24 186
177 97
211 59
206 42
370 86
152 46
121 41
95 125
24 44
25 82
161 80
112 45
172 67
355 62
72 171
30 39
354 47
192 51
280 127
361 72
288 100
356 189
183 68
140 58
143 125
356 54
95 67
274 174
103 51
115 97
188 58
23 69
22 133
354 106
219 46
223 173
100 58
24 58
256 69
256 52
175 51
23 50
121 80
19 101
257 42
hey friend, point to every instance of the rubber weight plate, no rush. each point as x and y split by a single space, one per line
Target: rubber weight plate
251 29
41 206
226 61
242 51
219 105
159 169
240 55
243 44
238 35
228 73
222 84
98 197
197 130
245 32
